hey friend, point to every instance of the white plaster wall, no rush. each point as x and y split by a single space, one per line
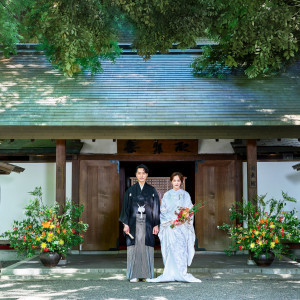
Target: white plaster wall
14 189
99 146
275 177
211 146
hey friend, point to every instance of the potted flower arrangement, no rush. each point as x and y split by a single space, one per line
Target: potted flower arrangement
46 230
262 228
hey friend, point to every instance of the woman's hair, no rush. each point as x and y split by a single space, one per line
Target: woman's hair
177 174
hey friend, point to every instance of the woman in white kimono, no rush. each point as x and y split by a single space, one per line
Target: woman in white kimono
177 244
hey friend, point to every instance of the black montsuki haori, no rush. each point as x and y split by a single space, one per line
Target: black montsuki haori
135 197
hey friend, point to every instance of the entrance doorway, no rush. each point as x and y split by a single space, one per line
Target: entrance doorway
156 169
103 183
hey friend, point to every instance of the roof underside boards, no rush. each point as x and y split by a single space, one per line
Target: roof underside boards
132 97
269 146
42 146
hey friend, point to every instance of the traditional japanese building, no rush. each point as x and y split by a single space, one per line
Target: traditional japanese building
97 128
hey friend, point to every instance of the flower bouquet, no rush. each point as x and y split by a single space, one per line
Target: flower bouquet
185 214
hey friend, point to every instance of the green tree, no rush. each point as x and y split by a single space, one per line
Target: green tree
261 36
74 34
10 22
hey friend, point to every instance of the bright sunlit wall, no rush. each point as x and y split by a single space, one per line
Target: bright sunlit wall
15 188
275 177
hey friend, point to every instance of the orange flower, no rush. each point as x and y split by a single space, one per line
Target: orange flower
43 233
58 230
46 224
65 230
262 221
185 213
276 240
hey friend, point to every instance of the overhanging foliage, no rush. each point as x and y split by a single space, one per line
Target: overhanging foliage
260 36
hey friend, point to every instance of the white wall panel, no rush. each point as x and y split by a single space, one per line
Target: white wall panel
15 188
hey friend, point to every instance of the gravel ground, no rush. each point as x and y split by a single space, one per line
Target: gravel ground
112 288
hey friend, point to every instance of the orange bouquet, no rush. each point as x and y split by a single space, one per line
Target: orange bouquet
185 214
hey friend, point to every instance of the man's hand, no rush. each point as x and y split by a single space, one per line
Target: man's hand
126 229
155 229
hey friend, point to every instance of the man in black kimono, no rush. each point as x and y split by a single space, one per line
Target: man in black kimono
140 216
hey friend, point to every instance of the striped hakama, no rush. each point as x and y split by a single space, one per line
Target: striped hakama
140 258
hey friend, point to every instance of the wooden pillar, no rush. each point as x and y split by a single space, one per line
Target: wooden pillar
75 179
251 169
61 172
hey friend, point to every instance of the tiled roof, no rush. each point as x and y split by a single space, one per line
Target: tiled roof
160 92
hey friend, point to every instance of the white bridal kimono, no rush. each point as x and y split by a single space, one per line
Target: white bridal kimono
177 244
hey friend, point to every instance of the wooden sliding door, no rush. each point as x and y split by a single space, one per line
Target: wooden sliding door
99 193
218 184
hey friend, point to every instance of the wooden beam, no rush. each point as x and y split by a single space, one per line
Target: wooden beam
75 179
297 167
61 172
251 169
8 168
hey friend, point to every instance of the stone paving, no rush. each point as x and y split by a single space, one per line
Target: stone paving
204 264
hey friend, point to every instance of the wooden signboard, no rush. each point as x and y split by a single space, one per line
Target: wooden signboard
158 147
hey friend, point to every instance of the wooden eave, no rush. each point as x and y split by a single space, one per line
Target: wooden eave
297 167
149 132
37 146
269 146
6 168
